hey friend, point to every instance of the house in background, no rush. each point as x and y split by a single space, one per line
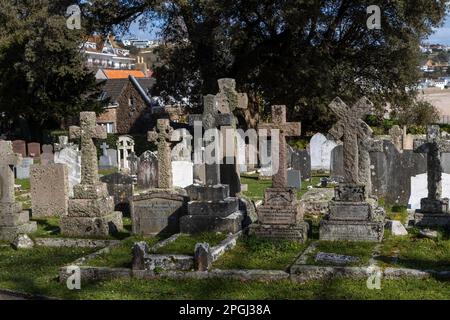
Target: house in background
130 107
105 74
106 53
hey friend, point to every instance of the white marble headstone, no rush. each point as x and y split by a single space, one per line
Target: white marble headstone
419 189
182 173
320 148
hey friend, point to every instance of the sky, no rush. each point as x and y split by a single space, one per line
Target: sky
441 35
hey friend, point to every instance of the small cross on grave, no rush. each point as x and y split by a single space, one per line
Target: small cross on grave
88 131
286 129
228 99
351 129
162 136
104 146
8 159
433 146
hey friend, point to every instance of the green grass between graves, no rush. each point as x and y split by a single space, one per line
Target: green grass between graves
253 253
35 271
185 244
363 250
415 252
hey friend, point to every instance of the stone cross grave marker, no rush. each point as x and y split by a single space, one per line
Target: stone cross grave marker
286 129
433 146
212 118
8 159
350 128
88 131
162 136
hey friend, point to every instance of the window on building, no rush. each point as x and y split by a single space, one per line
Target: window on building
131 103
109 126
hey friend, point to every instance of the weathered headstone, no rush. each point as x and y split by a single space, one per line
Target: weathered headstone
23 169
157 211
281 215
91 211
301 160
352 216
337 162
112 154
320 148
434 209
147 175
133 162
34 150
13 220
20 147
392 172
120 187
47 156
294 179
70 156
396 134
49 190
125 146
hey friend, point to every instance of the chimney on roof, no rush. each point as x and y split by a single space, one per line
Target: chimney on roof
141 65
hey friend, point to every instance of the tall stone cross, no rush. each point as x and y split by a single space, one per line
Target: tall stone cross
212 118
286 129
352 131
228 99
433 146
88 131
8 159
162 135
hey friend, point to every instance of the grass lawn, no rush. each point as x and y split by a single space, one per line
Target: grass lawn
363 250
121 256
24 183
253 253
185 244
49 228
415 252
36 272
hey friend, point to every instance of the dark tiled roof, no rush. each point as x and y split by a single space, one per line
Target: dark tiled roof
113 88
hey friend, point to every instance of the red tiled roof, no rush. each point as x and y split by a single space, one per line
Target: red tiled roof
123 74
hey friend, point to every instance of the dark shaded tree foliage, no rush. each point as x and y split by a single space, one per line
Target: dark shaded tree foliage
43 78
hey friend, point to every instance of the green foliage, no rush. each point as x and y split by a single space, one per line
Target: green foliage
260 254
299 53
43 78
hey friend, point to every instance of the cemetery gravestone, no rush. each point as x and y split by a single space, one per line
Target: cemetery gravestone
49 190
20 147
105 159
294 178
47 156
351 216
34 150
157 211
125 146
337 163
301 160
320 148
120 187
211 207
434 209
183 173
147 175
70 156
91 211
13 221
23 169
281 215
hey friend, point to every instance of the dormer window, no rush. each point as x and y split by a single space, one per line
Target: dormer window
131 103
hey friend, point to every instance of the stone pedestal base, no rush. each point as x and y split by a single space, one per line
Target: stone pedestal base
14 221
434 206
91 226
432 220
158 211
335 230
298 232
193 224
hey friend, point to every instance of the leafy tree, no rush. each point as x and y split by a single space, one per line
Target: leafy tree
43 78
302 53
